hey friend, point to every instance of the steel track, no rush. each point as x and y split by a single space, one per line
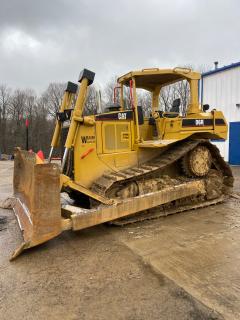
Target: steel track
154 166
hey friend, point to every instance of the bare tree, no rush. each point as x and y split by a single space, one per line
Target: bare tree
41 126
145 101
180 90
4 104
17 112
53 97
109 91
30 103
171 92
91 103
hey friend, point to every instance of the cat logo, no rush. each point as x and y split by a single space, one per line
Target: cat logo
199 122
122 116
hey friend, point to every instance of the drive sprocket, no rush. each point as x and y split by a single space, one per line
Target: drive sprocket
197 162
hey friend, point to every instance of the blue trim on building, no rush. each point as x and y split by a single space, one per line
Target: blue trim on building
230 66
234 140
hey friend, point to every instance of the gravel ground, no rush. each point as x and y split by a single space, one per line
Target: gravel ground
96 273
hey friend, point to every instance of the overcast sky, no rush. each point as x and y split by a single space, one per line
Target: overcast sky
52 40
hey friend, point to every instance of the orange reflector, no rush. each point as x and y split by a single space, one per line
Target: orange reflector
86 153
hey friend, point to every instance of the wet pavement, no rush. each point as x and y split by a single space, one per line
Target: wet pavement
185 266
199 250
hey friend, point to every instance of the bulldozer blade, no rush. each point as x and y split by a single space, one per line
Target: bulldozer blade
36 202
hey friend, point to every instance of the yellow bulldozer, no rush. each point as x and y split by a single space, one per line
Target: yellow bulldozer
119 164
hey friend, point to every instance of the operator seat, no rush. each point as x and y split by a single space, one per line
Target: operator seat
175 105
174 111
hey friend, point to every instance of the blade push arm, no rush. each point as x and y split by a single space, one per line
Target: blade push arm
86 78
67 100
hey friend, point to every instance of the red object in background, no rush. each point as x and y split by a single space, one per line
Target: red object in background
27 122
40 155
131 93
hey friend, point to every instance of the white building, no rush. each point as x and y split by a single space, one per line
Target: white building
220 88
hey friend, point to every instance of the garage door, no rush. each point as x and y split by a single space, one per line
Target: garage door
234 143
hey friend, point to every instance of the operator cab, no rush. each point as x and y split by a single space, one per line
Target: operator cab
153 81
